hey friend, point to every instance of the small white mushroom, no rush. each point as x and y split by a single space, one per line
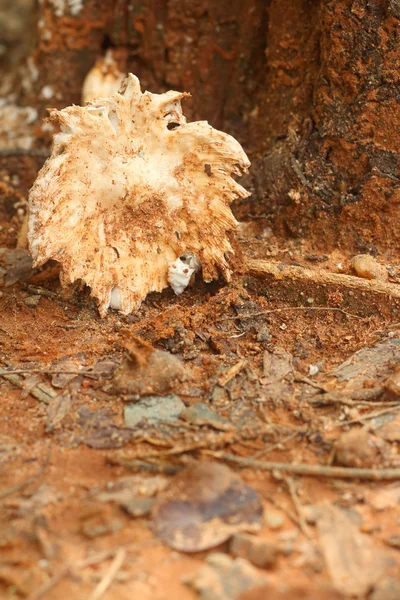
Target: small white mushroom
103 80
128 189
180 272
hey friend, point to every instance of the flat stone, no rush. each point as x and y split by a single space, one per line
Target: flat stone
32 301
153 409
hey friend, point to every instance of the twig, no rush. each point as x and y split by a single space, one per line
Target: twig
28 481
283 271
141 465
297 505
338 398
311 470
317 386
106 581
64 571
41 391
377 413
226 377
46 587
274 446
290 308
88 374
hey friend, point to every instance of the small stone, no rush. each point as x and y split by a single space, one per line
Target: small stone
146 371
367 267
311 513
264 335
356 448
218 394
260 553
273 520
154 409
139 507
201 414
32 301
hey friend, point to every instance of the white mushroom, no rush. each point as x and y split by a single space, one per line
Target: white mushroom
103 80
180 272
128 189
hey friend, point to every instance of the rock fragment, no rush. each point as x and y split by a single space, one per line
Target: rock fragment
153 409
367 267
260 553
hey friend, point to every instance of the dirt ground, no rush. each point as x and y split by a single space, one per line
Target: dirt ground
263 353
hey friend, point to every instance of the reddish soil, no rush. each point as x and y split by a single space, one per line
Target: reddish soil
41 539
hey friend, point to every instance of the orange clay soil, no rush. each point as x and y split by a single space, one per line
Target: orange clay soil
54 523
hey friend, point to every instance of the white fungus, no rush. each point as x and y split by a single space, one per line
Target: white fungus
129 190
180 272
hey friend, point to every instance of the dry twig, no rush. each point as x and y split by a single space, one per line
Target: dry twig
110 574
310 470
283 271
28 481
89 374
288 309
297 505
377 413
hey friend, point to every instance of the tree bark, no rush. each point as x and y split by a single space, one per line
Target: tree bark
309 87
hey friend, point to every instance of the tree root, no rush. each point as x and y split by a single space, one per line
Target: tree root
296 273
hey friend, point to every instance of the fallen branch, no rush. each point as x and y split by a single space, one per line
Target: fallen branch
310 470
281 271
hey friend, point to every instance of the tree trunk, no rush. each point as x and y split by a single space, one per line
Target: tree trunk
309 87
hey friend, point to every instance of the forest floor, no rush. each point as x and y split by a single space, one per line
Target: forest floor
82 484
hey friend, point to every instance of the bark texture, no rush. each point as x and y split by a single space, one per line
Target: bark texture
309 87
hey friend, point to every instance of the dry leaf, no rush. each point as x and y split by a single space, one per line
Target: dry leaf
355 564
204 505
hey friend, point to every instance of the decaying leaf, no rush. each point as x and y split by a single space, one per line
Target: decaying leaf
354 563
204 505
130 188
277 364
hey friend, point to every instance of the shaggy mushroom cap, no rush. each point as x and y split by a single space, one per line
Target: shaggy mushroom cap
128 189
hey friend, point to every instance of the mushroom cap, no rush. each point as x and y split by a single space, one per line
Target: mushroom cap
129 187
